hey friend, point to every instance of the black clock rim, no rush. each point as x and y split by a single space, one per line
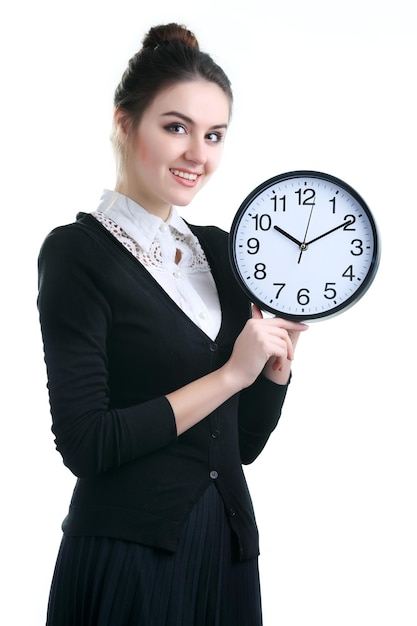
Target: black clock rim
363 287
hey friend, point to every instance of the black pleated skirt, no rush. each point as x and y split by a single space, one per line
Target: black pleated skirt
109 582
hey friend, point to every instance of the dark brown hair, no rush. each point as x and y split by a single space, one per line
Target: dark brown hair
170 54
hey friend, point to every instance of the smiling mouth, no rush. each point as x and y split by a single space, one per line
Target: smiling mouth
186 175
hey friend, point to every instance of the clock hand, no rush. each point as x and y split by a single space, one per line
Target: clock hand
287 235
304 245
328 232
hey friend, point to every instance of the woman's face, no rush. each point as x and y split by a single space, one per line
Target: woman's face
177 145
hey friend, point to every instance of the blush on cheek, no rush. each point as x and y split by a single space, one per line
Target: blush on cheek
144 162
142 154
142 149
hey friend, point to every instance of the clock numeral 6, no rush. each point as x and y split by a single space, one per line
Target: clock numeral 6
303 297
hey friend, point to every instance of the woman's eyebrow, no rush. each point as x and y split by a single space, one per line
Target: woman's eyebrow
187 119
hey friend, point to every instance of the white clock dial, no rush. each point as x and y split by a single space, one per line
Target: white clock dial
304 245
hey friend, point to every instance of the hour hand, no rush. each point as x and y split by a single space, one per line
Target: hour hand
288 236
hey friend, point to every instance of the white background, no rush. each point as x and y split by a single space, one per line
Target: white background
321 85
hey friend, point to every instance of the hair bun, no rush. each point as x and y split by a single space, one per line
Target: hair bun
169 33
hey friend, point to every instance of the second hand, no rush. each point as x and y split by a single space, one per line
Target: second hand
303 246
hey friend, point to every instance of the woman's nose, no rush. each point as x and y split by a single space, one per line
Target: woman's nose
196 151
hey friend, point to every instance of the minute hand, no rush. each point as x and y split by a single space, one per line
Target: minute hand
329 231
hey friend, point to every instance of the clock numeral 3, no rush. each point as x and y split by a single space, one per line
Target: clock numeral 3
358 245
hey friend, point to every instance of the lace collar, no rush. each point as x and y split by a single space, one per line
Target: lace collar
139 224
152 241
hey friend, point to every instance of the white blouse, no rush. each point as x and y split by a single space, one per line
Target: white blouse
155 244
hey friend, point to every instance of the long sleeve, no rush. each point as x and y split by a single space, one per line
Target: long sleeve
260 408
75 317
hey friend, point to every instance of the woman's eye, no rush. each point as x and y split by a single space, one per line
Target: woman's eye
176 129
215 137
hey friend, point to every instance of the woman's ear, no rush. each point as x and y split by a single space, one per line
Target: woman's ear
123 123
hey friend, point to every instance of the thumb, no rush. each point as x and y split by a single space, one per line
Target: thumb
256 312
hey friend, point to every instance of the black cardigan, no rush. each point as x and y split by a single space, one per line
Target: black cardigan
115 344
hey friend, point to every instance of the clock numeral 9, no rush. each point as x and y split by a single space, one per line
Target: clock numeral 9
253 245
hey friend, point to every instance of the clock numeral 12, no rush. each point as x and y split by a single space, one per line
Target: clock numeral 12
309 200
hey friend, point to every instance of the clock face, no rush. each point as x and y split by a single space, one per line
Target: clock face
304 245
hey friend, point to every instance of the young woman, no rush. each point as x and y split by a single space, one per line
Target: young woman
162 382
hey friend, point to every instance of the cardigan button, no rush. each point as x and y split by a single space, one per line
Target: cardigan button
214 347
215 434
232 512
213 474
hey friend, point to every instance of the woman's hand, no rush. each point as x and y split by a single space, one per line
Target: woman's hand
264 345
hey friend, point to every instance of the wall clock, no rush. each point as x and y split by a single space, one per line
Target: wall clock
304 245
